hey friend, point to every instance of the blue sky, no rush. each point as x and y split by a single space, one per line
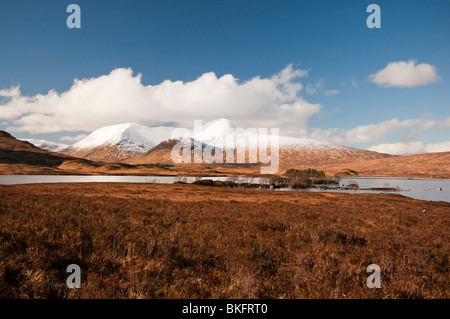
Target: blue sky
183 40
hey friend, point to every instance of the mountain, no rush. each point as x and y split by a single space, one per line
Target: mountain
48 145
133 143
294 152
162 153
21 157
119 142
127 142
217 132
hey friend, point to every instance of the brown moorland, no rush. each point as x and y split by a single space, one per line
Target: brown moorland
190 241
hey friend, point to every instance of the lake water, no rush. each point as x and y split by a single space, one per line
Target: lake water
419 188
33 179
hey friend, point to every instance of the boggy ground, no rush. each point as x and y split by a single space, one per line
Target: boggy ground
190 241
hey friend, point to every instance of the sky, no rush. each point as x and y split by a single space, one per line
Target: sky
311 68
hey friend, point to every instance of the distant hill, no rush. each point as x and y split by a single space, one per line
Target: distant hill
428 165
14 151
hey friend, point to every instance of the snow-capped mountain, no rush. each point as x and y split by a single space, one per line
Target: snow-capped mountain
133 143
293 152
48 145
130 136
218 132
119 142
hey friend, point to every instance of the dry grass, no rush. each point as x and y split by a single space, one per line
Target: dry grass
188 241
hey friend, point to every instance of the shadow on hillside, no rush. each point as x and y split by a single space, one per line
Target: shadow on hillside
30 158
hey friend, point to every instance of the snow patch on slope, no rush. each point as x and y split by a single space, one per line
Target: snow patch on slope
47 145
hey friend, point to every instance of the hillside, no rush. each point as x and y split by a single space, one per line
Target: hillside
21 157
14 151
429 165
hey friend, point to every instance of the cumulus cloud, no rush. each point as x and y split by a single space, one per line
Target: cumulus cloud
11 92
73 139
406 74
121 97
410 148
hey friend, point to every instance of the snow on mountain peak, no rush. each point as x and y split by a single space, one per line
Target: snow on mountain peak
130 136
216 132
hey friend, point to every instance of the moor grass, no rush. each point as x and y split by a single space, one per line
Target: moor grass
190 241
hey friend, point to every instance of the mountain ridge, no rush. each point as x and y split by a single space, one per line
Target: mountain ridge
21 157
122 142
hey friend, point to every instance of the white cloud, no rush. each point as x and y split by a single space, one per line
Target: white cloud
437 147
331 92
11 92
371 133
121 97
374 133
410 148
76 138
406 74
